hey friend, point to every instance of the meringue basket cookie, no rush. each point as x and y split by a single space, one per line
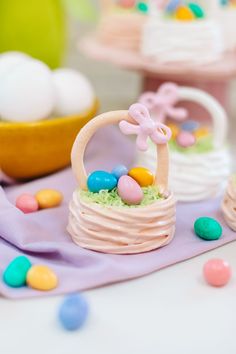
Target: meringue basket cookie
123 228
199 172
229 203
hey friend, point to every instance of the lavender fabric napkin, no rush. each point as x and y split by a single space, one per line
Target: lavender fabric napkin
42 236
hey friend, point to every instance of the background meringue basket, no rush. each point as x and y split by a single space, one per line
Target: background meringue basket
122 229
229 203
197 172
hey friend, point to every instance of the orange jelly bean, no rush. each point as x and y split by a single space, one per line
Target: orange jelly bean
142 176
183 13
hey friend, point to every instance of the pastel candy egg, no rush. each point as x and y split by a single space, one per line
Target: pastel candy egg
101 180
48 198
183 13
27 203
217 272
190 126
73 312
127 3
41 277
16 272
201 133
130 191
172 5
197 10
142 176
207 228
185 139
119 171
142 7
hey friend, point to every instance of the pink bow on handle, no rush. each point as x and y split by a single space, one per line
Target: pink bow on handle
162 103
146 127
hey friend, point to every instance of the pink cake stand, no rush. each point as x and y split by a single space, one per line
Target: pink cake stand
214 78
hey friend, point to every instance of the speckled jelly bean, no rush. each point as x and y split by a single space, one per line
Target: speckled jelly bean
48 198
207 228
217 272
73 312
101 180
41 277
16 272
119 170
142 176
27 203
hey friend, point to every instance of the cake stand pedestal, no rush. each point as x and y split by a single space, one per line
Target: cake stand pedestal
214 78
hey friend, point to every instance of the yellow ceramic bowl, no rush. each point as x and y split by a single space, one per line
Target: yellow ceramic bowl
29 150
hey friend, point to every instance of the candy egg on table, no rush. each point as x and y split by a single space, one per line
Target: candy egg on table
48 198
196 9
173 5
41 277
101 180
29 86
9 60
183 13
119 170
27 203
129 190
217 272
73 312
185 139
128 4
208 229
16 272
73 92
142 176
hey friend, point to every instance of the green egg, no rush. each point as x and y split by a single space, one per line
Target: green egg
207 228
16 272
142 7
196 10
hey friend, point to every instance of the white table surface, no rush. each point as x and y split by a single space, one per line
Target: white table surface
171 311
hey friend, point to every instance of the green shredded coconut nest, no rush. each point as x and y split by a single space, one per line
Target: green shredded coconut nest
151 195
203 145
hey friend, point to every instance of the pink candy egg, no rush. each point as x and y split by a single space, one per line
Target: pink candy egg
217 272
185 139
127 3
130 191
27 203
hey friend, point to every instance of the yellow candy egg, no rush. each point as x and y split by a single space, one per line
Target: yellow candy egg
142 176
174 129
201 133
48 198
183 13
41 277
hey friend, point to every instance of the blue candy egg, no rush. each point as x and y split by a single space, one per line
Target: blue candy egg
172 5
190 126
119 171
73 312
99 180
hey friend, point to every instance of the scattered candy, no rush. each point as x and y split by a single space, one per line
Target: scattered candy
73 312
142 176
119 171
183 13
16 272
196 10
174 129
201 133
27 203
130 191
48 198
207 228
127 3
185 139
217 272
41 277
142 7
101 180
190 126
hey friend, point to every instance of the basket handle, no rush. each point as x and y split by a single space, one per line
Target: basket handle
87 132
217 112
